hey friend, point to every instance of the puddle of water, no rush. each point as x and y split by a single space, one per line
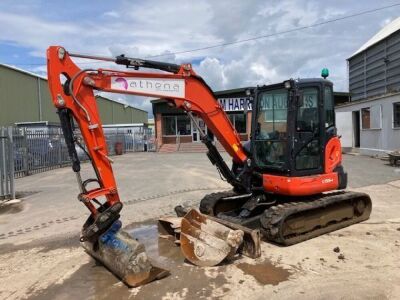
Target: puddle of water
162 252
93 281
265 273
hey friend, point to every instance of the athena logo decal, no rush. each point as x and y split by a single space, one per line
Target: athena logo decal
123 83
167 87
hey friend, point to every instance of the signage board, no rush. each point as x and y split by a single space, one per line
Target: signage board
151 86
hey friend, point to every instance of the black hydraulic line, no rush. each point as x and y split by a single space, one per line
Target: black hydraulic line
217 160
136 63
67 128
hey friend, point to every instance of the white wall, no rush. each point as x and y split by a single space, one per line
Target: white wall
376 141
344 125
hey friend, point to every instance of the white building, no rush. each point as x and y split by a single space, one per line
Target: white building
370 122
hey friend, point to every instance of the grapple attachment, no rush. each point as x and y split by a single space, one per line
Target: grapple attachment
205 242
124 256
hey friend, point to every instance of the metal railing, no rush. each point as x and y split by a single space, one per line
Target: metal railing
37 150
7 189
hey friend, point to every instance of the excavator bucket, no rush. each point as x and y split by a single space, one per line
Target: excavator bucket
205 242
124 256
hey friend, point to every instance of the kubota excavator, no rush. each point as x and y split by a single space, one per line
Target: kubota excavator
285 180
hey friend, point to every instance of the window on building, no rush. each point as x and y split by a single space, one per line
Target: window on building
366 118
275 106
238 121
169 125
173 125
371 117
183 125
329 110
396 115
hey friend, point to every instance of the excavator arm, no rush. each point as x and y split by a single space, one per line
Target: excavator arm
72 91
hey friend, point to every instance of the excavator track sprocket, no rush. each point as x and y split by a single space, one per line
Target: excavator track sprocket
296 221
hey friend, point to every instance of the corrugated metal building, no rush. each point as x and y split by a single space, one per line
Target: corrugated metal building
25 98
370 123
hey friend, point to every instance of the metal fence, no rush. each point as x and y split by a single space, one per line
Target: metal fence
7 189
36 150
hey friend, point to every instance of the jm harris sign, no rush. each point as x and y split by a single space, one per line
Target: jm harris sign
235 104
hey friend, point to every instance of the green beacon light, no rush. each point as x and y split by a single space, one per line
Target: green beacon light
325 73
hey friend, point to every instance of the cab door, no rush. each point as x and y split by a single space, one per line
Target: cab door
306 151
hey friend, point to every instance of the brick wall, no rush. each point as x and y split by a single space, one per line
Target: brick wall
158 129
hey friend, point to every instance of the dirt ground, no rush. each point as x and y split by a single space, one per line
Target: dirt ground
40 256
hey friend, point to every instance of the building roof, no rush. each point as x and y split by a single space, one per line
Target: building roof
23 71
389 29
232 91
160 100
124 104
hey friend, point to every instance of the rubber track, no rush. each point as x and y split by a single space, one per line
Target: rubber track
208 202
273 219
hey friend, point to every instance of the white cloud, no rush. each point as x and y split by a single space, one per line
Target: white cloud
145 28
111 14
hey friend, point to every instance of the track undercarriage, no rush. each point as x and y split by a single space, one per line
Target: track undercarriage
288 220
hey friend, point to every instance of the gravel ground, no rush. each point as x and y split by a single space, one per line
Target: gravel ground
40 255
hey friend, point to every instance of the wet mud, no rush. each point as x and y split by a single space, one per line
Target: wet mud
12 208
265 273
93 281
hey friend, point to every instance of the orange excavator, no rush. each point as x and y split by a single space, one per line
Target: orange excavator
287 181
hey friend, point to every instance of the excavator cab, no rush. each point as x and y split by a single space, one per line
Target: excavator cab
294 159
292 123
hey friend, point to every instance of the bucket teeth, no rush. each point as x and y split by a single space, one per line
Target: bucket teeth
124 256
205 242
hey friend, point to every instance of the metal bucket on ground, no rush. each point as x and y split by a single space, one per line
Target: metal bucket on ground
205 242
124 256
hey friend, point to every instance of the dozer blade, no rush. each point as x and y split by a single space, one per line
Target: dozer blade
205 242
124 256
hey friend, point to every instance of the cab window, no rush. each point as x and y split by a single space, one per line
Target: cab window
271 131
329 107
307 125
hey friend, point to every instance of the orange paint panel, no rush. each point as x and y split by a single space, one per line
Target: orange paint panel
333 154
300 186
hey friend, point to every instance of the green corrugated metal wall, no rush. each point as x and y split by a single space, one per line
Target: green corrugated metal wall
105 109
16 103
19 102
48 109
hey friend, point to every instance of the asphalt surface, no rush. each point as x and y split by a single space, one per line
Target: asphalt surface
365 170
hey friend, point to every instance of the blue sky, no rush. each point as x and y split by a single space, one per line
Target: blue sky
146 28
